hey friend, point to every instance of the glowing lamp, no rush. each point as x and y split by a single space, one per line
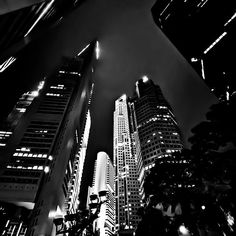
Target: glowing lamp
183 230
145 78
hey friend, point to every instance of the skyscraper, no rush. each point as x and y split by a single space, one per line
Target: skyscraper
42 155
23 21
145 129
155 127
19 109
103 180
126 183
203 31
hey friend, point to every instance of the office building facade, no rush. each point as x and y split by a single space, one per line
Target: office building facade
154 126
126 183
41 156
18 110
103 180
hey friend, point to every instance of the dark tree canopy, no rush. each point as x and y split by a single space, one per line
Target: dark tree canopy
202 179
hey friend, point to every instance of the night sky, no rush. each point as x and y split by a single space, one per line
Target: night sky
131 46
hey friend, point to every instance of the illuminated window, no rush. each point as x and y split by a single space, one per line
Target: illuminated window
53 94
46 169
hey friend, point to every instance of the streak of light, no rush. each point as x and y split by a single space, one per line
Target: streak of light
83 49
231 18
166 7
167 16
6 63
202 3
202 68
97 50
215 42
45 10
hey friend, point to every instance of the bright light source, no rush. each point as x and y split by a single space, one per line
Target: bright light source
35 93
123 97
41 84
183 230
193 59
56 214
203 207
145 78
46 169
230 219
97 50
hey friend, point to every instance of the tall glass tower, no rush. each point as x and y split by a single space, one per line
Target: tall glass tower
126 183
154 126
41 156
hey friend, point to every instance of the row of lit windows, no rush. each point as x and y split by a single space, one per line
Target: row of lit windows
149 166
40 155
54 94
69 72
173 161
5 133
59 86
159 117
22 110
26 167
162 107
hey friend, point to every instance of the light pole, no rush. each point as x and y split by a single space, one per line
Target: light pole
74 224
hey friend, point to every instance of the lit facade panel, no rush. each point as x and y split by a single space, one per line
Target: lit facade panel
72 199
126 183
43 151
103 179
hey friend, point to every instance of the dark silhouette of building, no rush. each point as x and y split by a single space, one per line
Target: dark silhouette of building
25 20
204 33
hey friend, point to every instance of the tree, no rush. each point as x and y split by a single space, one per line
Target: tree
201 180
213 156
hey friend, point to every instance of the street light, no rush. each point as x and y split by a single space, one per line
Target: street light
74 224
183 230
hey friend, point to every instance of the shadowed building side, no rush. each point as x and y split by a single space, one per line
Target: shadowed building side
41 153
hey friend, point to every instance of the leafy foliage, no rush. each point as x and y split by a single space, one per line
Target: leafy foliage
201 180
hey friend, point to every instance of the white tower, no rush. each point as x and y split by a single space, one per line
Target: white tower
127 185
103 180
